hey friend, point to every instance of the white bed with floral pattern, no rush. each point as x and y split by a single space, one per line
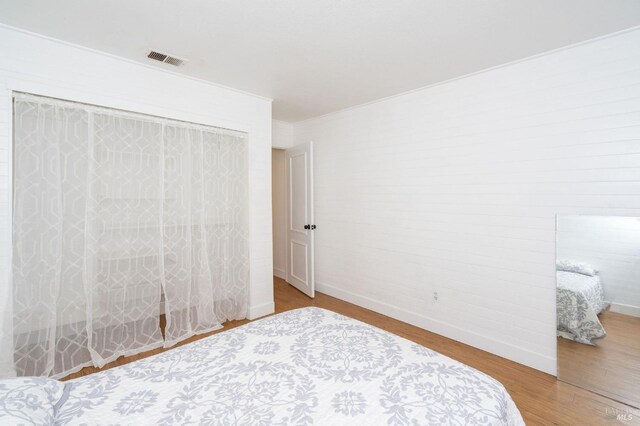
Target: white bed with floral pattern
579 300
307 366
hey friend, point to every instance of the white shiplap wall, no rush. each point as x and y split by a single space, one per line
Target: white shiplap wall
39 65
611 245
454 189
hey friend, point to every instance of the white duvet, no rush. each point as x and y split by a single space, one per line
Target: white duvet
308 366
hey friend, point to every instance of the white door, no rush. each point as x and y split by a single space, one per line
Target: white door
300 226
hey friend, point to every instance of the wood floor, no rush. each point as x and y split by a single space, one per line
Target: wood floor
612 367
541 398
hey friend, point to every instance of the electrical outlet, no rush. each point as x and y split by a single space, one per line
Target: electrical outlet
435 296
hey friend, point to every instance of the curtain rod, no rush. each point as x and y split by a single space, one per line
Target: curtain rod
148 117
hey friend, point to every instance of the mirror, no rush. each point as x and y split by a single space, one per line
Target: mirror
598 305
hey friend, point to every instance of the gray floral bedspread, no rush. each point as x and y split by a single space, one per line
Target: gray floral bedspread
308 366
579 300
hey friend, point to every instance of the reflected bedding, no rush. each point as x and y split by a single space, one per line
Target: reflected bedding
579 298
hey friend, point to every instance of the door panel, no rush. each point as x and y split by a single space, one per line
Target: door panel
299 170
298 185
299 261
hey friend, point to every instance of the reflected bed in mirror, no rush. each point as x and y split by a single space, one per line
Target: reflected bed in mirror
598 304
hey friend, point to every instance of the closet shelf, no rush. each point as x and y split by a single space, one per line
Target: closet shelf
106 154
134 257
176 225
101 199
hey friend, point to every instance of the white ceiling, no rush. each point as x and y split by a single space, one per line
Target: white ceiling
317 56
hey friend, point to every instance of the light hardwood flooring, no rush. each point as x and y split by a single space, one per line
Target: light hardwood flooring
541 398
612 367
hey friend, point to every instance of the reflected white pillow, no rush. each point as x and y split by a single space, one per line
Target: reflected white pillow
29 400
577 267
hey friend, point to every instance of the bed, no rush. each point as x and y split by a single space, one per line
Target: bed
307 366
579 300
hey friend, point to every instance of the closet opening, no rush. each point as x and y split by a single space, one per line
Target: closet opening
118 216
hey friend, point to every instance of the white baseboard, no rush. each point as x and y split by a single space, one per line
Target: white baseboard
621 308
255 312
280 273
507 350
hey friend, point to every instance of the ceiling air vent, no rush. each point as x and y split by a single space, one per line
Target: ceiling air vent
167 59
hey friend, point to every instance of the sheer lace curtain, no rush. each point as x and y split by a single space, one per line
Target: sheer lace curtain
115 216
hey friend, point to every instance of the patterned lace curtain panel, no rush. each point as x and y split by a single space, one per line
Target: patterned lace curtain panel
114 215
